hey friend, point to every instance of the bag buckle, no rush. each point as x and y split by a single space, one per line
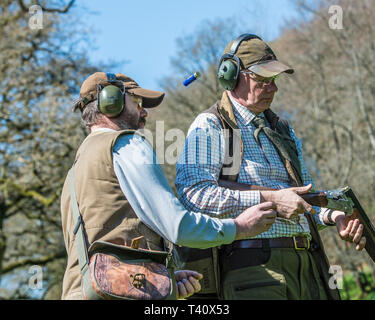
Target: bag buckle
136 242
139 280
302 248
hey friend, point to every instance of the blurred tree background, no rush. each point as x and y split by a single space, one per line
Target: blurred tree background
329 100
40 69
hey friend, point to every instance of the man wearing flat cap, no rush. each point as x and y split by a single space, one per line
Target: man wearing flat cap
247 146
122 193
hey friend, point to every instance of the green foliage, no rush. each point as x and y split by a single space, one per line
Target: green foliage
353 291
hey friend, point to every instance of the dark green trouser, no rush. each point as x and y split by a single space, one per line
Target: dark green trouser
283 274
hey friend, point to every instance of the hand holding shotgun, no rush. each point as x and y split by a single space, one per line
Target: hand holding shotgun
345 212
290 202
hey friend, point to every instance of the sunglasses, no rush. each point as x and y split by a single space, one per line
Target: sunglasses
261 80
136 99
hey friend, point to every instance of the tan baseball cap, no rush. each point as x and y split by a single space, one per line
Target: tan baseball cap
88 92
257 56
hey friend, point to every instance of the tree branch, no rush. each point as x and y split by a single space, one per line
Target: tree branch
34 261
64 10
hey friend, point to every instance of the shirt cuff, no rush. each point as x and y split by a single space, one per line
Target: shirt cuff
249 198
229 230
320 212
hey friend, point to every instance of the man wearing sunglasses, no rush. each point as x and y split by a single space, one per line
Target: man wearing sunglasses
122 192
247 145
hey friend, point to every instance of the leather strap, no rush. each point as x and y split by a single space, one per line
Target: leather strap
293 242
79 231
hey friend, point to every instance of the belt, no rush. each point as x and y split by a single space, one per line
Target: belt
298 243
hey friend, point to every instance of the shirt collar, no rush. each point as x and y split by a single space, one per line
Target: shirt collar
243 114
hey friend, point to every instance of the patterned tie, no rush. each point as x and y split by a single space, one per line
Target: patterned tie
285 149
260 124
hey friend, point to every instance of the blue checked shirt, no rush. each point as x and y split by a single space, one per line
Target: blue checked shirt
199 165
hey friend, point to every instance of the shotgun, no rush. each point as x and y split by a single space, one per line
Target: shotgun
342 199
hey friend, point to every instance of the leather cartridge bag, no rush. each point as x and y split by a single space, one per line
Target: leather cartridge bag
114 272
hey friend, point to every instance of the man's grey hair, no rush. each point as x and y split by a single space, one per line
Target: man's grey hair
91 114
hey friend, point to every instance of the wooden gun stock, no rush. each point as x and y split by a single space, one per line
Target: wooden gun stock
368 227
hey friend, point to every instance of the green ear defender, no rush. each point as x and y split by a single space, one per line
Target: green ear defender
111 100
227 75
230 65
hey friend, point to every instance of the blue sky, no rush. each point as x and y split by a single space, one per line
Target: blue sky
143 32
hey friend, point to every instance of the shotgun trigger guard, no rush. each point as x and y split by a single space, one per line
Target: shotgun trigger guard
337 200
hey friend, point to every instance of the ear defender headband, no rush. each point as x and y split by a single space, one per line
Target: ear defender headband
230 64
111 99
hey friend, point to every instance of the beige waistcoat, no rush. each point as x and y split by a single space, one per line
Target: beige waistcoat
106 213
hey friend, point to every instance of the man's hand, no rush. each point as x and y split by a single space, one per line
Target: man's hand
187 283
255 220
288 202
349 229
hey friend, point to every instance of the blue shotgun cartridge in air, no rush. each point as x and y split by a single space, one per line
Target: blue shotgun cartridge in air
192 78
